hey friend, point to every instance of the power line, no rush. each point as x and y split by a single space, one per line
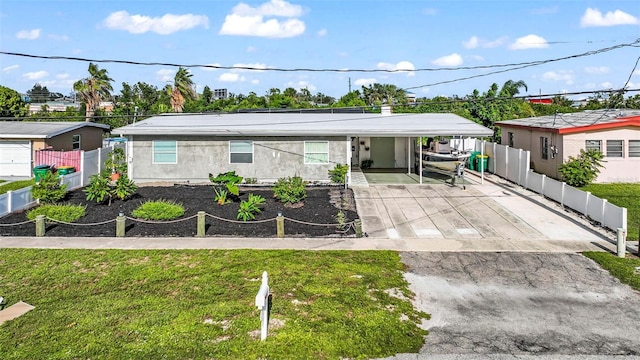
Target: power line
221 67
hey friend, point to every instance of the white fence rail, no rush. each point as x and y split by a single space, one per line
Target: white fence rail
92 163
513 165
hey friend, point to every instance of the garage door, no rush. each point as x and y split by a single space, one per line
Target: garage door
15 158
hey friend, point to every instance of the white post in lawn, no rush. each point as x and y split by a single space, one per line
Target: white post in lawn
262 302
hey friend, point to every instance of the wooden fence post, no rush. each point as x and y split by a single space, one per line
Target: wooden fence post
120 225
358 225
201 227
280 225
40 226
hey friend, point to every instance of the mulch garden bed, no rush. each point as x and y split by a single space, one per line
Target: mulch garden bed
320 207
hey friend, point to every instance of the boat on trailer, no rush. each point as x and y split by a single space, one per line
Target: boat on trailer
442 151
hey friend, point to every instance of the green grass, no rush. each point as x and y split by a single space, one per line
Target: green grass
15 185
159 210
623 269
624 195
199 304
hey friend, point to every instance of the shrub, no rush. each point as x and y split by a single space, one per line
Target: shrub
124 188
48 190
228 179
60 212
341 219
290 190
101 188
583 169
339 173
250 180
158 210
116 161
366 164
250 207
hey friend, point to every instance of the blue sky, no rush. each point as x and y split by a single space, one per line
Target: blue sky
325 34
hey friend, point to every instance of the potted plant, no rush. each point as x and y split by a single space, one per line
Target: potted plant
116 163
366 164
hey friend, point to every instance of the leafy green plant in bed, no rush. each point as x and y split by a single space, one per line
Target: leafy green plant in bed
61 212
48 190
229 179
101 188
159 210
251 207
338 174
222 196
290 190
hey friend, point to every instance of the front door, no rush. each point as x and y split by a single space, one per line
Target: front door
383 152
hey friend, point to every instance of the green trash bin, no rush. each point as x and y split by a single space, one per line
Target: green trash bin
482 162
66 170
40 171
472 160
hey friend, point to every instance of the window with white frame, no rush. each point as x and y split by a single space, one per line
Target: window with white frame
544 147
165 152
634 148
593 145
75 142
240 151
316 152
615 148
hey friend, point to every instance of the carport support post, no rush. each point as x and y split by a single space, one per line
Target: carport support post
621 243
280 225
200 229
40 225
120 225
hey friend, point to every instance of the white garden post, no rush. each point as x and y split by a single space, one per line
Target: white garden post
262 302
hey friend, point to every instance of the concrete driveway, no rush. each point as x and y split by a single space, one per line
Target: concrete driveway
521 303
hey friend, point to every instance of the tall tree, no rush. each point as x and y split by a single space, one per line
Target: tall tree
93 89
11 103
182 89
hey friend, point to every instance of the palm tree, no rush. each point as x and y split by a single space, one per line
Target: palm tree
512 88
93 89
182 89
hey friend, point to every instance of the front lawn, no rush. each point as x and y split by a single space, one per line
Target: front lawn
624 195
623 269
15 185
199 304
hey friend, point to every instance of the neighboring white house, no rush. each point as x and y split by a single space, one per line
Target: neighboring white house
553 139
268 146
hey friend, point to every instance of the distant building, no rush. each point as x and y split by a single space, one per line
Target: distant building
220 94
52 106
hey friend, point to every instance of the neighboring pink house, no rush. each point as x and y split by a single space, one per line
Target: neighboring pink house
552 139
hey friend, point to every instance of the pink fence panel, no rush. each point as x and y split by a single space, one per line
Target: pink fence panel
59 158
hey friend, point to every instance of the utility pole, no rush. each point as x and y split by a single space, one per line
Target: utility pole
349 84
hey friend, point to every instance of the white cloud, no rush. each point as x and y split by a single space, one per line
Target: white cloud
301 85
322 32
28 34
255 81
449 60
167 24
594 70
231 77
530 41
210 69
593 17
62 76
58 37
606 85
255 67
9 68
365 82
252 49
165 74
476 42
637 72
404 66
249 21
36 75
565 76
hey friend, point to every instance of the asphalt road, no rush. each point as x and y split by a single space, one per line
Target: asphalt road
517 304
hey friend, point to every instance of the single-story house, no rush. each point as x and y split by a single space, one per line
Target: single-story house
553 139
19 140
268 146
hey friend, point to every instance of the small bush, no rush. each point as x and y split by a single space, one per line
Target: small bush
228 179
221 196
250 180
366 164
251 207
158 210
583 169
290 190
48 190
60 212
124 188
338 174
341 219
101 188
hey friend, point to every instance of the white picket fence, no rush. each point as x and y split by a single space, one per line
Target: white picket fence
92 163
513 165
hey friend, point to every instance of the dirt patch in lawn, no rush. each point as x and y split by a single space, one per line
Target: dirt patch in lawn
320 207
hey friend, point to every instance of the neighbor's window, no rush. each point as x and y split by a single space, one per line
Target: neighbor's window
593 145
614 148
544 147
634 148
241 152
165 152
316 152
75 142
510 135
